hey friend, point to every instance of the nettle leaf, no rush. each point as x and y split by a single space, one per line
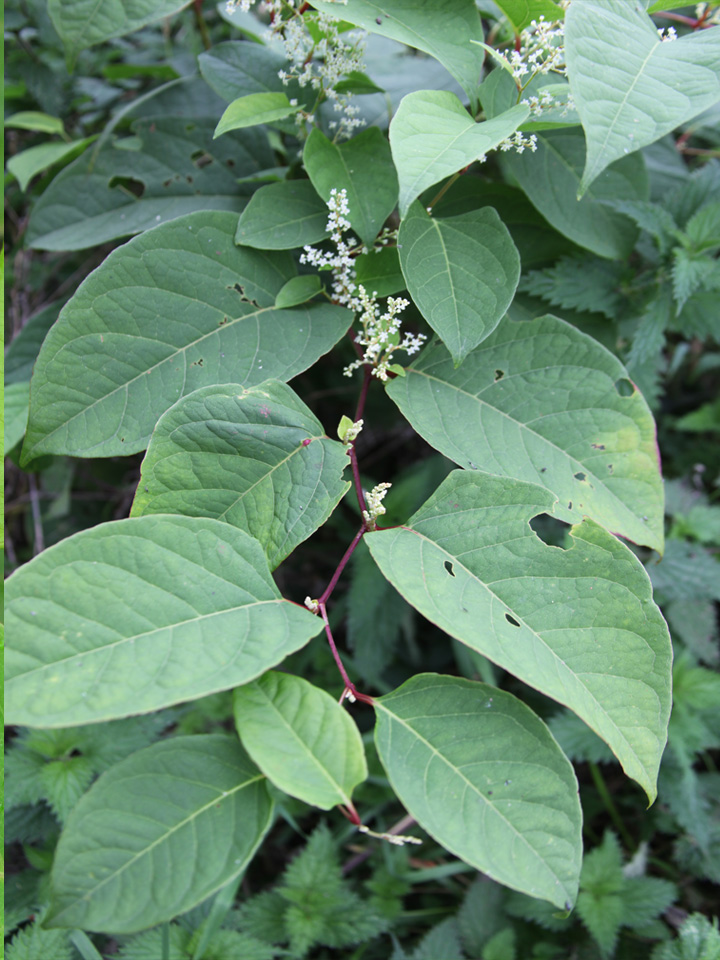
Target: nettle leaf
628 87
169 172
282 216
82 23
482 774
301 738
578 624
364 168
252 109
432 136
442 31
176 309
521 13
256 458
541 401
550 178
138 614
579 283
196 803
462 273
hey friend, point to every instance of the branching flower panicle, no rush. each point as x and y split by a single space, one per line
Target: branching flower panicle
375 507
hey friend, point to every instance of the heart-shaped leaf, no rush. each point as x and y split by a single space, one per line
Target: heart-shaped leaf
578 624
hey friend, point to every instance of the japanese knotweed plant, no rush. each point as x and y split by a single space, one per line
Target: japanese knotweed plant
183 343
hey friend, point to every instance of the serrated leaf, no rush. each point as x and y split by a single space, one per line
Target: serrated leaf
649 337
195 802
119 192
64 782
480 772
298 290
550 178
538 401
135 615
175 309
301 738
690 272
282 216
703 228
33 942
687 571
255 108
462 273
579 283
521 13
82 24
630 88
656 220
256 458
577 624
432 136
443 32
363 167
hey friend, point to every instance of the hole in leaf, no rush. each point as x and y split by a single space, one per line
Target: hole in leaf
230 162
499 374
127 185
512 620
598 446
580 476
624 387
543 469
201 159
449 568
550 530
610 467
569 504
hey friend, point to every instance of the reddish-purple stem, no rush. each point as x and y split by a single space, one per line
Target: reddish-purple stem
341 566
363 392
349 685
356 479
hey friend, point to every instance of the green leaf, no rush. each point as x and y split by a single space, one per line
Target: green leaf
84 23
197 803
301 738
34 120
462 273
138 614
171 171
33 942
550 178
253 109
699 939
256 458
579 283
364 168
628 87
27 164
442 31
432 136
298 290
539 401
23 349
17 401
282 216
521 13
482 774
235 70
357 83
175 309
578 624
379 272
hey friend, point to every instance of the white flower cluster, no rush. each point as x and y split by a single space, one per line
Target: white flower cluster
375 506
315 63
668 34
380 334
541 50
519 143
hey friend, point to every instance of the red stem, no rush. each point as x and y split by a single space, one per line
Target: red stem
363 392
356 479
341 566
349 685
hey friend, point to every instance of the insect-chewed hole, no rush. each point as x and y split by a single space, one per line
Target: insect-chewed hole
580 476
201 159
499 374
624 387
449 568
598 446
512 620
550 530
127 185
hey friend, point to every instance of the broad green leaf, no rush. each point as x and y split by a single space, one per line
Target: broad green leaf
379 272
442 31
432 136
521 13
135 615
462 273
188 811
34 120
21 353
358 83
298 290
483 775
254 457
541 401
235 70
282 216
578 624
176 309
630 88
550 178
253 109
301 738
26 164
364 168
17 401
84 23
173 169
